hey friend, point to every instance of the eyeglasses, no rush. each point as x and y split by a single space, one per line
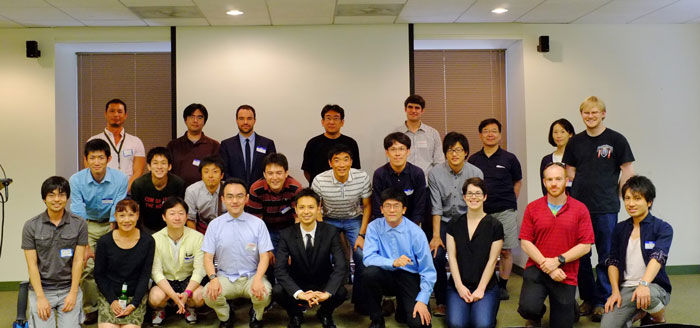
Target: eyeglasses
397 206
477 194
236 197
456 150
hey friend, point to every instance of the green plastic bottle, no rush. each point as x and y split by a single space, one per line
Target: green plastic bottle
122 297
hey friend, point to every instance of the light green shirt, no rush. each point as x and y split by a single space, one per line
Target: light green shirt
189 261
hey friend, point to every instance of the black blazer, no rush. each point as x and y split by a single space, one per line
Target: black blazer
325 270
232 154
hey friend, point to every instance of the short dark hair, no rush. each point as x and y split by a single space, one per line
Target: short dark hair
334 108
173 201
275 158
246 107
189 110
96 145
452 139
127 203
568 127
307 192
159 151
488 121
476 182
115 101
216 160
642 185
399 137
53 183
414 99
339 149
232 181
393 193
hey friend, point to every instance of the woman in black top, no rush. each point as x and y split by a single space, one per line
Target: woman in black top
123 258
474 242
560 132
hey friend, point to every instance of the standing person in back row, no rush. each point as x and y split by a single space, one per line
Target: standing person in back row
427 144
598 160
503 178
315 160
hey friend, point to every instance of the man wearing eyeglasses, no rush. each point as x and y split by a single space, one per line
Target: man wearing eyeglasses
189 150
503 177
445 183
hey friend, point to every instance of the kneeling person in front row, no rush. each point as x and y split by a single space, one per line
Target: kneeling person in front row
397 259
240 242
640 248
178 265
317 270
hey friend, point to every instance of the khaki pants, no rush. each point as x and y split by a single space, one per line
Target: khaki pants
238 289
87 281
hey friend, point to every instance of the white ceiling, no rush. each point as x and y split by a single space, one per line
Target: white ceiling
36 13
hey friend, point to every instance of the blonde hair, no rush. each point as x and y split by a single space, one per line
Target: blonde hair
592 102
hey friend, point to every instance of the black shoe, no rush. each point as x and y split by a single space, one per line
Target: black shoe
388 307
228 323
597 314
90 318
254 322
504 294
585 309
326 320
295 321
379 323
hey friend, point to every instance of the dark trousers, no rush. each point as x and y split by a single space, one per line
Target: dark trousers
294 306
440 260
597 291
405 285
537 285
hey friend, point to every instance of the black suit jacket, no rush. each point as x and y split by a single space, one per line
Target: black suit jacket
232 154
318 272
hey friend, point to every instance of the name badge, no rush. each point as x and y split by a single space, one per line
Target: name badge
408 192
500 166
649 245
285 210
251 247
422 143
189 258
128 152
196 162
260 149
66 252
107 201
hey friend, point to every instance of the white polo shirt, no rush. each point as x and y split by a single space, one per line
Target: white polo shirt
130 145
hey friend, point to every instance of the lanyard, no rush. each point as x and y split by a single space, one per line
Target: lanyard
119 151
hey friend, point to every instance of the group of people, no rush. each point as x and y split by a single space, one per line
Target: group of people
213 222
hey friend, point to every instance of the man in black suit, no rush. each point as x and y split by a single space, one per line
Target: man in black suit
244 152
316 269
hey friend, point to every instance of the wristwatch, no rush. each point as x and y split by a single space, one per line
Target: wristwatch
361 235
643 283
212 276
561 259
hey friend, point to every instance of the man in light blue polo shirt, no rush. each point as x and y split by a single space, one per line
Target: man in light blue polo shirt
240 242
95 192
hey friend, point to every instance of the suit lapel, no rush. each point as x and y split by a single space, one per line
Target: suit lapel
238 154
301 244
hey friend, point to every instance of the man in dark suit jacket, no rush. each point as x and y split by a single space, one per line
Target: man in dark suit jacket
316 269
246 167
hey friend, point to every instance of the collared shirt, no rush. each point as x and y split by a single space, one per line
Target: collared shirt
96 201
187 155
426 146
237 244
385 244
312 233
553 235
251 145
131 147
276 209
316 151
55 246
188 262
501 172
446 189
202 204
342 200
411 180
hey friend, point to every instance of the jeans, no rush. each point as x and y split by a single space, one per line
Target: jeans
57 318
440 260
592 291
275 239
481 313
351 228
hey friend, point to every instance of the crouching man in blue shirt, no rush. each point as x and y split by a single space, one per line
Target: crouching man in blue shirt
637 260
398 262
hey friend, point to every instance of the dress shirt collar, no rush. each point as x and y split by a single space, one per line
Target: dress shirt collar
109 133
64 219
335 181
312 233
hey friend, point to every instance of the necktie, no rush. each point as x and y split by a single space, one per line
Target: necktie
309 247
247 159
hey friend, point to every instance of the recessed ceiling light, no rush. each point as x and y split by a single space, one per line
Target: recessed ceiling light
499 10
234 12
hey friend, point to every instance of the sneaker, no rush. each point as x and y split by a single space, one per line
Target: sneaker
190 315
585 308
158 317
597 314
440 310
504 294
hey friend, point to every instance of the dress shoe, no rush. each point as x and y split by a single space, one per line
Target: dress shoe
326 320
254 322
378 323
295 321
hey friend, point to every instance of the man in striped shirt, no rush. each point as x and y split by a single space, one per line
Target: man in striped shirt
345 194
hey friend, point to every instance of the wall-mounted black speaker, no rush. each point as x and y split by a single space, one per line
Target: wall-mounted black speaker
33 49
544 44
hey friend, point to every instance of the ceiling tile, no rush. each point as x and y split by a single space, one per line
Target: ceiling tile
114 13
480 12
678 12
176 22
561 11
285 12
364 19
51 22
21 15
365 2
151 3
113 22
254 12
436 11
5 22
622 11
85 3
23 4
